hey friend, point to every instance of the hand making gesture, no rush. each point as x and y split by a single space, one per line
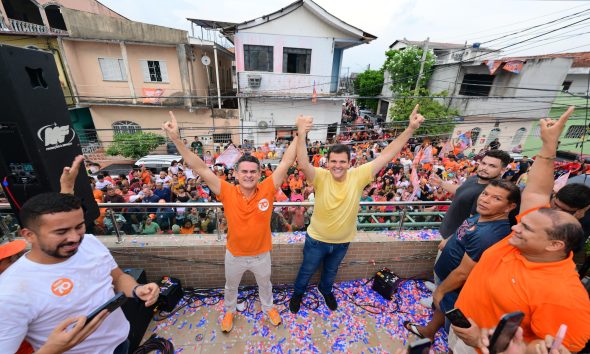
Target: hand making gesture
416 119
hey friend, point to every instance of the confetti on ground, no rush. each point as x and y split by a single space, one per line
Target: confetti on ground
369 325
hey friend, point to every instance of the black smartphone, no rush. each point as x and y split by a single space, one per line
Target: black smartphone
421 346
505 331
114 303
457 318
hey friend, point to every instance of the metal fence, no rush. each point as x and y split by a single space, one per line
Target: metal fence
400 216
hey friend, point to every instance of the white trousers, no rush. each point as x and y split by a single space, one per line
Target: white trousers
235 268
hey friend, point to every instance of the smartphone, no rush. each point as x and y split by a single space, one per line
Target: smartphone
504 332
457 318
114 303
421 346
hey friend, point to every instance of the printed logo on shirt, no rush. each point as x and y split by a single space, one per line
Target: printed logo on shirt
462 230
263 204
62 287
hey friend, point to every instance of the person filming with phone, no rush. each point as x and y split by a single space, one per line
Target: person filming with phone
66 274
531 270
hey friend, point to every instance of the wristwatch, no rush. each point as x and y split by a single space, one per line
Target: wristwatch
133 291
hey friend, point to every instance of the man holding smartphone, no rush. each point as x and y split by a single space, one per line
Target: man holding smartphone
465 247
532 269
66 274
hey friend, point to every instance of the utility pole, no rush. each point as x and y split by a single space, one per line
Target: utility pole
424 51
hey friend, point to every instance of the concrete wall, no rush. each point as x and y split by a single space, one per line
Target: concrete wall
196 123
198 261
91 26
199 86
579 83
83 60
283 113
83 5
300 22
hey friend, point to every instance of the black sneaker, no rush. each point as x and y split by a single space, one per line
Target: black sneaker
330 301
295 303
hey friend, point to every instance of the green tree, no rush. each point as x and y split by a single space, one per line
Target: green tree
135 145
369 84
439 119
403 67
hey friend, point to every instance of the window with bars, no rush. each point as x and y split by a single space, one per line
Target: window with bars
222 138
112 69
475 134
518 136
476 85
575 131
296 60
258 58
495 133
125 127
154 71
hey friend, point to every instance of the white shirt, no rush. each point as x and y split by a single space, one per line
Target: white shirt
165 181
100 185
34 303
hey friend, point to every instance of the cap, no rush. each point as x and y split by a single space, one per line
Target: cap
11 248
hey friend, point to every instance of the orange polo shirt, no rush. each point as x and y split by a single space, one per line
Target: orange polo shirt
550 294
248 220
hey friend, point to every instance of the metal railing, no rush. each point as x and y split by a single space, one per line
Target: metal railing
28 27
404 212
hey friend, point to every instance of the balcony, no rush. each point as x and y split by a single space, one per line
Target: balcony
28 27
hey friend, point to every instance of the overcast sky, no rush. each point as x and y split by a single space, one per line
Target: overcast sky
441 20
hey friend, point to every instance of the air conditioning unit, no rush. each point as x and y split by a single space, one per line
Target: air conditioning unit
264 124
254 81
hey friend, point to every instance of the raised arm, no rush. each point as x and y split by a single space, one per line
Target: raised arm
288 158
304 124
397 145
540 182
448 186
194 161
67 180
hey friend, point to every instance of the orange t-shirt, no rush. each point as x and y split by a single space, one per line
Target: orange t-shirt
146 177
296 184
550 294
248 220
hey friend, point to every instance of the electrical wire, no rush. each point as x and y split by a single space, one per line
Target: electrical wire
155 344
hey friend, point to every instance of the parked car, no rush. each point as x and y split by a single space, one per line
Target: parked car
157 162
115 169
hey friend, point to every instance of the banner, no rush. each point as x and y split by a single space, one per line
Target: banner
493 65
514 66
229 157
152 95
447 147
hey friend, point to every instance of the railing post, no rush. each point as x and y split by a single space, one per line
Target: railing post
217 224
115 226
402 217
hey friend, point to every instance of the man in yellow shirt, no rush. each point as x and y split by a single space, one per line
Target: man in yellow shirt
338 191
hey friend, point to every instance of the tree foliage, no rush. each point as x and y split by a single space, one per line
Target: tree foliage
439 119
403 67
135 145
369 83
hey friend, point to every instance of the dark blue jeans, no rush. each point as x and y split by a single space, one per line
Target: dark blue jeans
314 253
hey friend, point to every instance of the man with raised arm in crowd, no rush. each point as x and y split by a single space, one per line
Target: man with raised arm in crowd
248 209
531 270
66 274
338 191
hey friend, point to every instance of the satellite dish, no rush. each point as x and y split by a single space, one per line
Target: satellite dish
205 60
262 124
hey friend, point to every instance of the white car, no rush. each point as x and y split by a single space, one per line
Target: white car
157 162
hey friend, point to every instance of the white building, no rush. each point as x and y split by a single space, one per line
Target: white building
501 98
445 53
280 59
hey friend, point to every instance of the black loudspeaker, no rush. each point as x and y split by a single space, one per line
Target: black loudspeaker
37 139
137 314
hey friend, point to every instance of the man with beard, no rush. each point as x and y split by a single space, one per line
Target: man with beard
67 273
492 166
465 248
531 270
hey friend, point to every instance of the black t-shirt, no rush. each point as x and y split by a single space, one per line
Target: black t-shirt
463 205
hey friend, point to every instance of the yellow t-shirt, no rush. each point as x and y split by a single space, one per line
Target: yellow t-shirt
337 203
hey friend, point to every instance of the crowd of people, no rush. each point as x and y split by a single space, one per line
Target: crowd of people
509 235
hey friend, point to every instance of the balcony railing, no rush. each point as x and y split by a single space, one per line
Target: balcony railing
407 215
28 27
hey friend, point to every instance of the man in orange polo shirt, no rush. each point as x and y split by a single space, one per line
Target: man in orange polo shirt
248 209
531 270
